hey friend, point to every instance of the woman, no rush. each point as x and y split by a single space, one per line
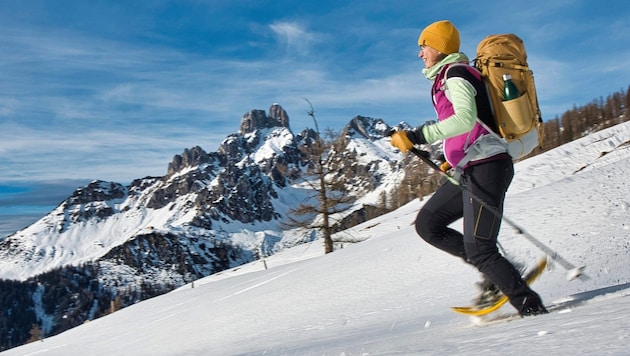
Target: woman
482 164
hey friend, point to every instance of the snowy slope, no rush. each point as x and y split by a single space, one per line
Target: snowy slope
390 294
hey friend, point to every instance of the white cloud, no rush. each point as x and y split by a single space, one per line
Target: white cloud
293 36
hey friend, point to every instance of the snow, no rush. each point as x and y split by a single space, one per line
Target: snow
63 237
272 143
69 247
390 295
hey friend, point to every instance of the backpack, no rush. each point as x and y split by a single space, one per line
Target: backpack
519 121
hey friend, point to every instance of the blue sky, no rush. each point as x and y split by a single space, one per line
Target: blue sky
112 90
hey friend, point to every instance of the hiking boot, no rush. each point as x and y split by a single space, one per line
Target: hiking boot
489 294
532 305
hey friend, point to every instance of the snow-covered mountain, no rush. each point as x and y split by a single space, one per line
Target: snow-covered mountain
390 295
234 194
210 212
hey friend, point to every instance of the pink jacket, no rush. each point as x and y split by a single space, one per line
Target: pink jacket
454 147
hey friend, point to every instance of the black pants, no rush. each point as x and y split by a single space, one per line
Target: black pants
478 244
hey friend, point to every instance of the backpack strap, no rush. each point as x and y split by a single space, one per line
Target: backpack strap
487 145
482 99
489 63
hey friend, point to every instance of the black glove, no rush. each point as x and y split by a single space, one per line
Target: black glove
416 136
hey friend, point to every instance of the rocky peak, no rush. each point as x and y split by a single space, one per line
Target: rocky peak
257 119
277 113
367 127
97 190
190 158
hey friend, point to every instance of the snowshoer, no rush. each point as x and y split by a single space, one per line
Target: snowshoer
460 99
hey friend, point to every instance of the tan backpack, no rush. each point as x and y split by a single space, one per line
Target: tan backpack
519 120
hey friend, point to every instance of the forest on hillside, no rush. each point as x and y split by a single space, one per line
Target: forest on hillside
582 120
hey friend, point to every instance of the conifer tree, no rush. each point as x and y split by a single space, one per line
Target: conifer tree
326 177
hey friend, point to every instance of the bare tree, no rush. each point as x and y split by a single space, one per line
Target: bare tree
326 177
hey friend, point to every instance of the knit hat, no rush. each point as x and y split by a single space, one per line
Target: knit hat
441 35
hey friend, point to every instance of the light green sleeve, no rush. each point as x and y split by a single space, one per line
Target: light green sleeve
462 95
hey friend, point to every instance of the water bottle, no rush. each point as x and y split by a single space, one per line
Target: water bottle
509 89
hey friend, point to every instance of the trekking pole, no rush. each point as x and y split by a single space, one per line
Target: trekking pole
573 271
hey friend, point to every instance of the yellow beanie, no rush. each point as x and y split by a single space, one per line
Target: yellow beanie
441 35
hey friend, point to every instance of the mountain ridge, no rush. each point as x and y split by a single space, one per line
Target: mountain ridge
211 211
